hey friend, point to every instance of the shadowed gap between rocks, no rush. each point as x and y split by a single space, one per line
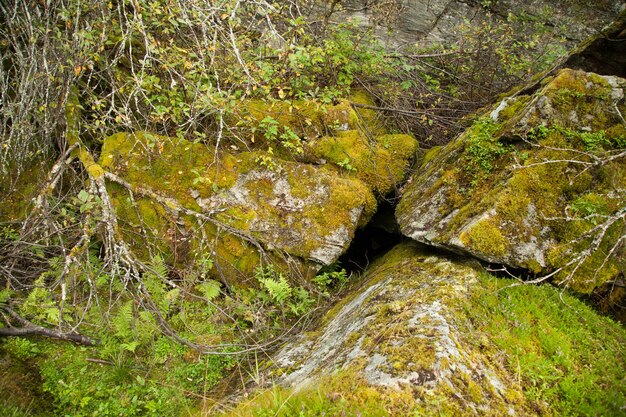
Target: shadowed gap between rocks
372 241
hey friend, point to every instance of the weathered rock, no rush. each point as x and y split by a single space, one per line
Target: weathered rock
193 201
604 53
294 209
407 21
354 142
397 332
432 335
539 183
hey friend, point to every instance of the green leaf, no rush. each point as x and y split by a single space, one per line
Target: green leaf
209 289
130 346
52 315
5 294
83 196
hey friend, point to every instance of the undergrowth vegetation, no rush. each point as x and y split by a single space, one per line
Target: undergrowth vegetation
559 348
554 348
155 337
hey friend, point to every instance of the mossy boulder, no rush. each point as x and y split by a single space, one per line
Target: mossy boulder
432 335
348 136
191 201
538 183
310 119
18 191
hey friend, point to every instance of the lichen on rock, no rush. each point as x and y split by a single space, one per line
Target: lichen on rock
302 214
509 189
399 332
427 334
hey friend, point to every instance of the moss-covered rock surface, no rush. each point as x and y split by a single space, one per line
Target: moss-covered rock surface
430 335
538 183
263 205
293 209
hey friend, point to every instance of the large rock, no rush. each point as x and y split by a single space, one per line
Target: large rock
432 335
297 203
397 331
354 143
293 209
539 183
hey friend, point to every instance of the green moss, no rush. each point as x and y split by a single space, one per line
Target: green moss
341 115
251 204
370 119
20 382
482 149
584 95
305 118
18 192
429 155
550 358
485 237
380 164
513 108
342 394
565 356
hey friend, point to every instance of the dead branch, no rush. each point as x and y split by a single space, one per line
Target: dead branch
28 328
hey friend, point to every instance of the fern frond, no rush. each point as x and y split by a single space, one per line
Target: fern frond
279 289
122 321
210 289
159 267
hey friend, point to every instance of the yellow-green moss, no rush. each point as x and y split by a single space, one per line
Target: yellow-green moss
193 175
370 118
485 237
17 193
547 360
513 108
429 155
380 164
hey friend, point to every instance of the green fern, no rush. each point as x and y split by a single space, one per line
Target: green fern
159 267
210 289
301 302
279 289
274 282
122 321
154 282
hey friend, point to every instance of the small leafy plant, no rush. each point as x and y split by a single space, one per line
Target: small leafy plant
330 277
277 290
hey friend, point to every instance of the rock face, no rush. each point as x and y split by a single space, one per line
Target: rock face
431 335
538 183
412 20
189 201
604 53
397 332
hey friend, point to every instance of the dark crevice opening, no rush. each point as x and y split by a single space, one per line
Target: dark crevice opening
380 235
605 55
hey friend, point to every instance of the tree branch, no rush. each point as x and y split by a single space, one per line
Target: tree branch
31 329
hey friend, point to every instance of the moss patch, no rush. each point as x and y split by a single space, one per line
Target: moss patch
380 163
485 236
